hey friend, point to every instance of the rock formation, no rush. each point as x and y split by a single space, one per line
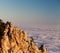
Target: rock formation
13 40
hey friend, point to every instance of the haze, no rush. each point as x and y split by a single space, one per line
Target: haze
30 12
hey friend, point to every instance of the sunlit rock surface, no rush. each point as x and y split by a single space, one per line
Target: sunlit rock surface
13 40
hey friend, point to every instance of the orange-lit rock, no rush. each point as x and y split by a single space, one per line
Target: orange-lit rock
14 40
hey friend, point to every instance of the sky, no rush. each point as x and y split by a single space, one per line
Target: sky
30 12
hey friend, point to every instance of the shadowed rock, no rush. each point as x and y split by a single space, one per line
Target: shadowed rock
43 49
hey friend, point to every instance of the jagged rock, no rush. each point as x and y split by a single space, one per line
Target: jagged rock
14 40
43 49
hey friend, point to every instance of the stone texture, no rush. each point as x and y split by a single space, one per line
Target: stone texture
14 40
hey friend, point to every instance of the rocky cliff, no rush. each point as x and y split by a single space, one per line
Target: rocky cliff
15 40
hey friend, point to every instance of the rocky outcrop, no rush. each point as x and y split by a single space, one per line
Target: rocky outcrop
13 40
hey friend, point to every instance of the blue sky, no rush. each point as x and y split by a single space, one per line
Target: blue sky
30 11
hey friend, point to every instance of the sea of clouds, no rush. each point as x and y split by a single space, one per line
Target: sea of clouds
48 35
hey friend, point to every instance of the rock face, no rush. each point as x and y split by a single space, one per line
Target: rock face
13 40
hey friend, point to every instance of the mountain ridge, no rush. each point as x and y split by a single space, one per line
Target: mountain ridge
15 40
